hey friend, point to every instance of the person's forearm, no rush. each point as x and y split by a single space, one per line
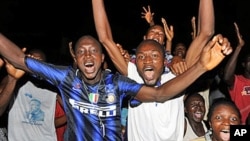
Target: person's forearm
12 53
103 30
60 121
230 67
179 84
7 92
205 31
169 47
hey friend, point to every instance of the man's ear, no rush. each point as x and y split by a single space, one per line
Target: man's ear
71 50
185 109
103 57
72 53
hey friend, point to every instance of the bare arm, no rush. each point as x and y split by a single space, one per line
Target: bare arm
104 34
62 120
232 62
212 54
169 31
12 53
205 31
194 32
8 85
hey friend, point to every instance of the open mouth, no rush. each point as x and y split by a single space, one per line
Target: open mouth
156 39
225 135
149 73
89 67
89 64
198 114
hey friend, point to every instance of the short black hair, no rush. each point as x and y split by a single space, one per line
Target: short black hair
222 101
153 43
74 44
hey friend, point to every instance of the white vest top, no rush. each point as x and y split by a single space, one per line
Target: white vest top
31 117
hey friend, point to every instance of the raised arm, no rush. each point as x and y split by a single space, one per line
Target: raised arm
12 53
194 32
232 62
7 86
205 31
169 31
212 54
148 16
105 36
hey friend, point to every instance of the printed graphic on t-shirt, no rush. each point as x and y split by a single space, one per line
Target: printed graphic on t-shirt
34 115
246 90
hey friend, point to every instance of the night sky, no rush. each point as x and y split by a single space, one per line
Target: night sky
50 25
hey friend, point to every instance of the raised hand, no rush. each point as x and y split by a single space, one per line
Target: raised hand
178 65
124 53
169 30
241 42
215 51
147 15
194 32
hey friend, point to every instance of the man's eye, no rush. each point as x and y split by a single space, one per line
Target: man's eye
140 57
154 55
218 117
79 52
93 51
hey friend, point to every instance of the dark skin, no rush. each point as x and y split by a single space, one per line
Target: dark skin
195 111
150 62
205 31
232 62
222 117
89 59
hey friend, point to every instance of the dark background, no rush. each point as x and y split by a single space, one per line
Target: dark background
51 24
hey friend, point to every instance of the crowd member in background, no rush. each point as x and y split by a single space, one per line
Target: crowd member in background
148 70
60 119
156 30
7 85
239 84
195 111
222 113
34 102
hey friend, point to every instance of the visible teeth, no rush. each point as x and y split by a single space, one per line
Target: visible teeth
148 69
156 40
225 131
88 64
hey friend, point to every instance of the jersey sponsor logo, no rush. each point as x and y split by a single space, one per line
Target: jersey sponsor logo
87 108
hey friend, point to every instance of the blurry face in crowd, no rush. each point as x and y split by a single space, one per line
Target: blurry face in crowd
222 117
195 108
156 33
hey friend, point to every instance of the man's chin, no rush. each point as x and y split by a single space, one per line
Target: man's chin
150 82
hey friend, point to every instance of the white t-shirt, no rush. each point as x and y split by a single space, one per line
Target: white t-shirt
31 117
190 135
155 121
